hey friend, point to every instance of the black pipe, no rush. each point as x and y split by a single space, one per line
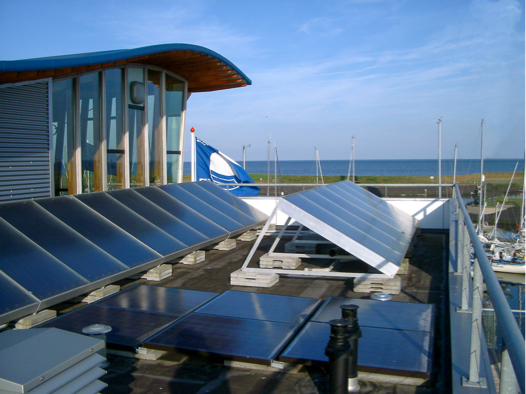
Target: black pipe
350 314
338 350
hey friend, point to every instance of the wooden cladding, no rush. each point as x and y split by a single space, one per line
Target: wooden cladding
203 72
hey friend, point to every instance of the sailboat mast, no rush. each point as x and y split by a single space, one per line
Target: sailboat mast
353 167
481 175
439 158
455 166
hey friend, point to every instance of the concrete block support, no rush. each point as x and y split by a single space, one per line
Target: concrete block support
159 273
248 236
382 285
253 279
38 318
227 244
289 263
101 293
194 258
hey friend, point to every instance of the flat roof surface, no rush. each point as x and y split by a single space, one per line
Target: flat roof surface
424 283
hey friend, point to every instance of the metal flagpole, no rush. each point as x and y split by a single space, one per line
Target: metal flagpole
193 156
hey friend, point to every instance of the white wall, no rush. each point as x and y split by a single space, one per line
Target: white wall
431 213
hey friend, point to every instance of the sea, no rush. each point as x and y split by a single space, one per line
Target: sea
380 167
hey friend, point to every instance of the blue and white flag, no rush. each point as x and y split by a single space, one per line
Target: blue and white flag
212 165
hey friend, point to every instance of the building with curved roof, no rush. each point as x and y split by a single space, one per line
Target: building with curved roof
103 120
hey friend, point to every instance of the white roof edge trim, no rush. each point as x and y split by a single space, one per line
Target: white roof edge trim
343 241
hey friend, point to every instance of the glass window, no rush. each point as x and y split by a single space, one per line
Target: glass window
135 126
114 129
63 137
174 106
155 127
90 138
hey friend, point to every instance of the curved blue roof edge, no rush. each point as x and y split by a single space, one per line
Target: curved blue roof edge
92 58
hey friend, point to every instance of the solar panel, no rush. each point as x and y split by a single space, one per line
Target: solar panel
158 216
379 348
99 230
129 327
165 300
32 267
132 223
13 297
226 336
211 197
61 247
182 212
237 203
60 240
202 207
365 231
257 306
371 313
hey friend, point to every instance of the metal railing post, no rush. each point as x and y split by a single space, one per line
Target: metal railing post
466 269
475 358
508 381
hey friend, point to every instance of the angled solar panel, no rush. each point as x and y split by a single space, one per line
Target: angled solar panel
355 220
99 230
57 248
183 212
131 222
60 241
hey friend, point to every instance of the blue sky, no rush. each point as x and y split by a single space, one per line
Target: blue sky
383 71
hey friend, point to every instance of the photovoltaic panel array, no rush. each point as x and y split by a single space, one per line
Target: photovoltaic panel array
357 221
238 324
134 314
397 337
57 248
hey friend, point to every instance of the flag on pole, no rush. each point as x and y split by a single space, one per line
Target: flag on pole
212 165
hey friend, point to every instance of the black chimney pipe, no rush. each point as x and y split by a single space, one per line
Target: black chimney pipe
338 350
350 314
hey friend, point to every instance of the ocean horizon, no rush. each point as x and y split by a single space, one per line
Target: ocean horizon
406 167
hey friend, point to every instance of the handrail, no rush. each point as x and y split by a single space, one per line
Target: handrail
510 330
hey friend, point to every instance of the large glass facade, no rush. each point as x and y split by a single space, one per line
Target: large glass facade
64 137
155 140
174 107
115 129
90 136
134 141
137 142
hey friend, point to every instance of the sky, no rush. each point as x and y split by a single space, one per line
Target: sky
382 71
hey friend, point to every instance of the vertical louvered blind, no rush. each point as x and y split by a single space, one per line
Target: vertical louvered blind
25 170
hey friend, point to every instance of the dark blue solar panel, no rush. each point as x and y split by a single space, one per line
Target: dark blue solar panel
211 212
158 216
226 336
378 348
182 212
132 223
170 301
212 199
99 230
236 202
60 240
257 306
129 327
393 315
32 267
13 297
